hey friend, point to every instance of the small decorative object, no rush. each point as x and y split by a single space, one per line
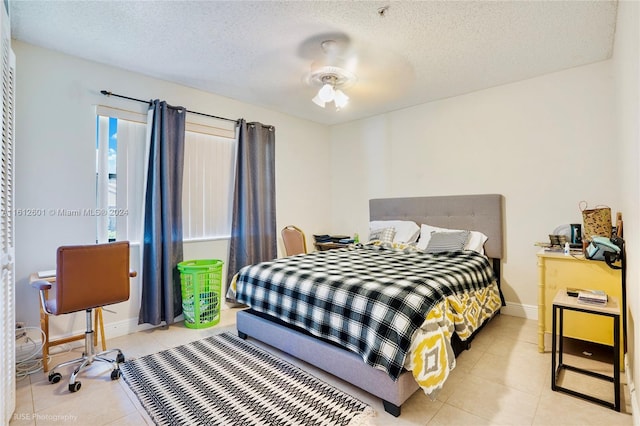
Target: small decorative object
597 221
557 240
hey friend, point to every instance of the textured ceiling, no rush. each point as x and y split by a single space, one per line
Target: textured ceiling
261 51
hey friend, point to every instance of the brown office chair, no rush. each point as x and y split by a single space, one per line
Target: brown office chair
87 277
294 240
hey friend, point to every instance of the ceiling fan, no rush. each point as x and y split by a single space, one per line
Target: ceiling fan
293 73
332 73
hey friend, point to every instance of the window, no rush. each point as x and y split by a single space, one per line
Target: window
120 149
106 176
120 178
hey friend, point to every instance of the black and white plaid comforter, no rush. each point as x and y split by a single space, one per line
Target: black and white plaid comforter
368 300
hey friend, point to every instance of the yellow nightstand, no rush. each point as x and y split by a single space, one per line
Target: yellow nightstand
556 272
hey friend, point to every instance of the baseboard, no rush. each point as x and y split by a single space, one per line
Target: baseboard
520 310
632 392
130 326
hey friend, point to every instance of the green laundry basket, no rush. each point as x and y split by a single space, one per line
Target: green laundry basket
201 292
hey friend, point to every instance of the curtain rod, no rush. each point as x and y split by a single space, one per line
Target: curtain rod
107 93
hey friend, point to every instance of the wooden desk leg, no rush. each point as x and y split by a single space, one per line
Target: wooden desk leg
100 325
44 324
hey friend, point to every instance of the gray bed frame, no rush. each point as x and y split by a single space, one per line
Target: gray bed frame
474 212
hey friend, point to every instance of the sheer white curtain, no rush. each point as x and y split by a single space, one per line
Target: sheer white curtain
131 160
207 185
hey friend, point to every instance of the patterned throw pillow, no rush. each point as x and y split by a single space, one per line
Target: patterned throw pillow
384 234
447 241
407 231
475 242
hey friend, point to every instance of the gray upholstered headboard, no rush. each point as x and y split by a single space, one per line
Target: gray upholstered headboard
473 212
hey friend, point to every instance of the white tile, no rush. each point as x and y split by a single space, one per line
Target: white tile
449 415
96 403
559 408
508 370
133 419
494 402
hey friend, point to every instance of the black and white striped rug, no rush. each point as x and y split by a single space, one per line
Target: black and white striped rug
223 380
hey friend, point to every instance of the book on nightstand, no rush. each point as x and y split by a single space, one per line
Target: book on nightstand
592 297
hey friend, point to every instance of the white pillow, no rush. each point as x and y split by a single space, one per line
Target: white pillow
476 239
407 231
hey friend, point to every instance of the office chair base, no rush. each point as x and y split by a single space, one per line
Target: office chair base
87 358
86 361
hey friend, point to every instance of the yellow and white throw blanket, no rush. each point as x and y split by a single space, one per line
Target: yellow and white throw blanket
431 357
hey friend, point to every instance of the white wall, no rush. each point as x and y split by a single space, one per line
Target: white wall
626 59
545 144
55 164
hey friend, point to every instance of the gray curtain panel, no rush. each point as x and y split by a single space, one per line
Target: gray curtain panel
253 223
162 246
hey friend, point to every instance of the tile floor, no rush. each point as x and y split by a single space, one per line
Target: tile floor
502 380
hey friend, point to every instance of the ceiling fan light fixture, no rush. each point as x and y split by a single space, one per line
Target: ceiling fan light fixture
326 93
316 100
329 93
332 75
340 99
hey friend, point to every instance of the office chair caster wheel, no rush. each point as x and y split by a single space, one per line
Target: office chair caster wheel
55 377
75 387
120 358
115 374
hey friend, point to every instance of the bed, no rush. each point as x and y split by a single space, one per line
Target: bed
390 371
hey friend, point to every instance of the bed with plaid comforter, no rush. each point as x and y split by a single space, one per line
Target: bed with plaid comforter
397 308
